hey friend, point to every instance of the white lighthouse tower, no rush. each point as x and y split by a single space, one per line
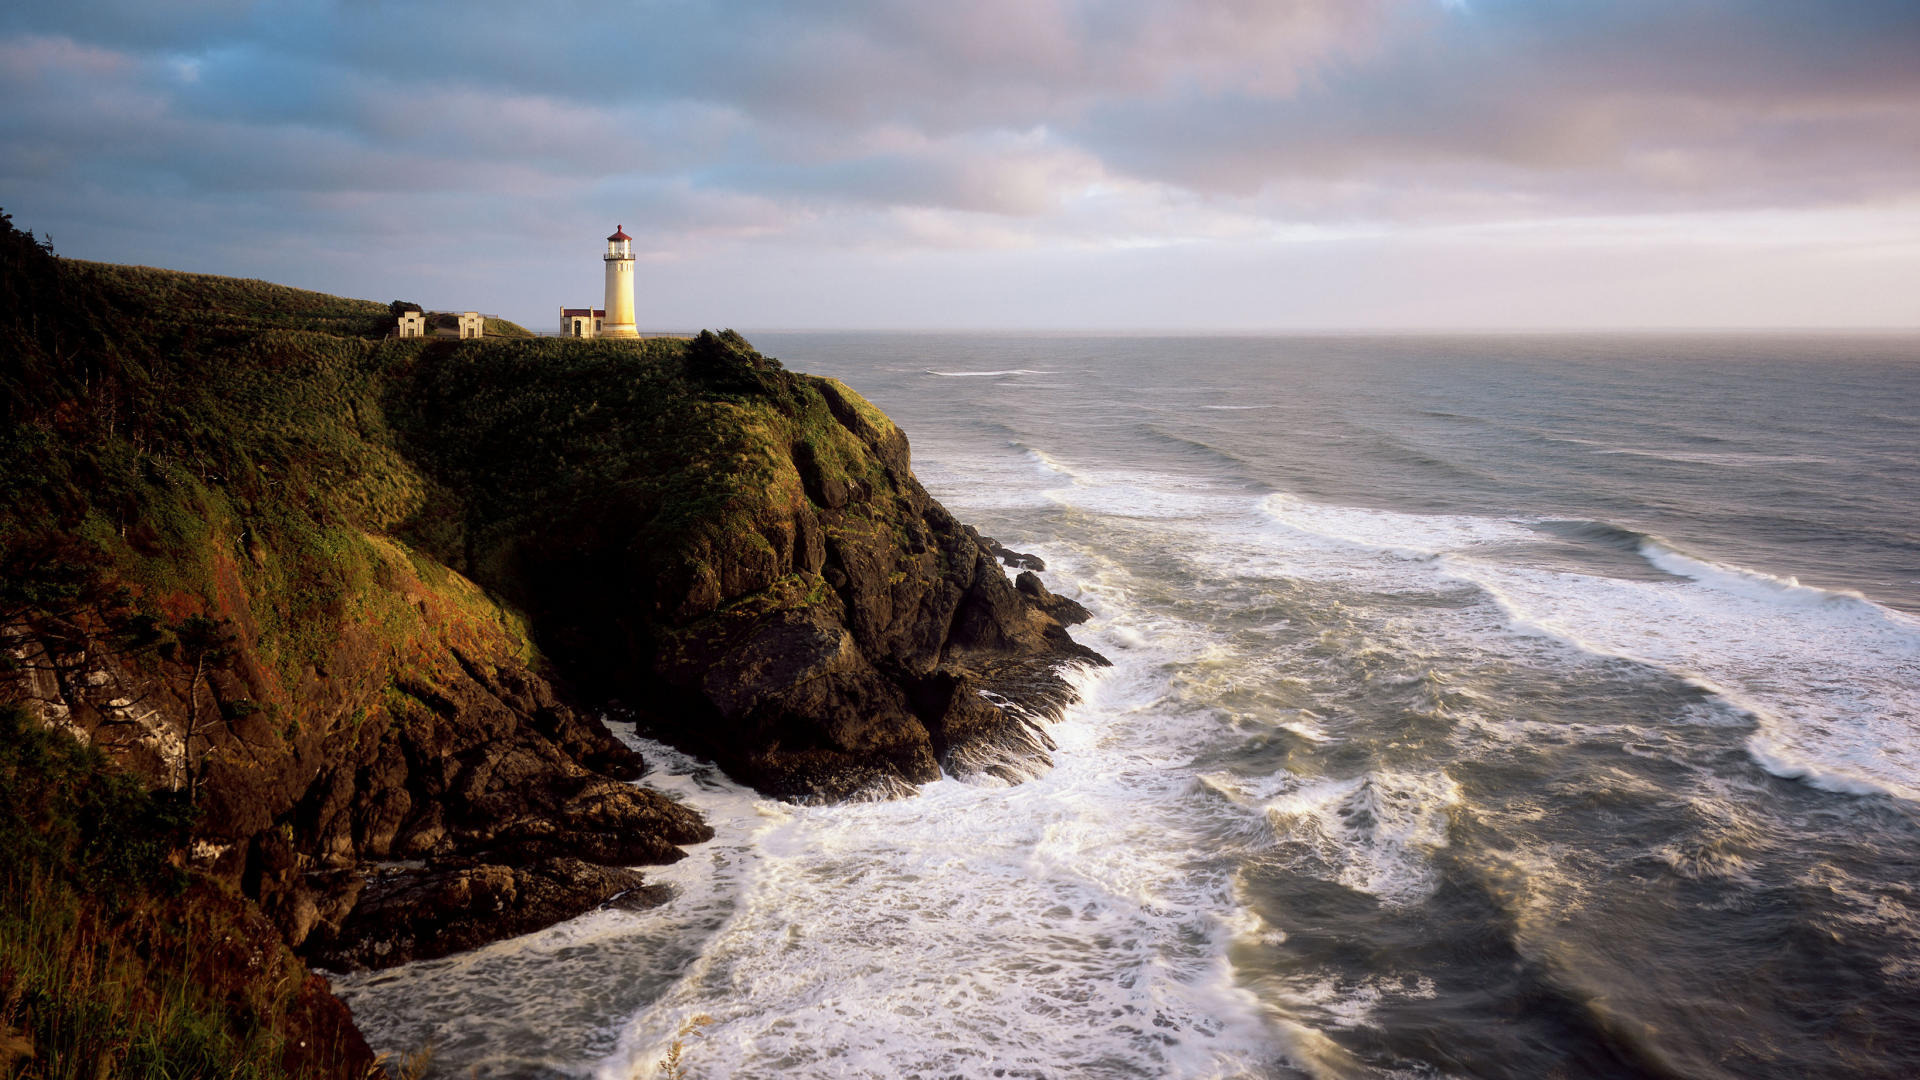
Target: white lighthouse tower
619 259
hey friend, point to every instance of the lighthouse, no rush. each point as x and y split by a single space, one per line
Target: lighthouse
619 259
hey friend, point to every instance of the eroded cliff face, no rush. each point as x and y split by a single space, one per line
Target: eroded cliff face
361 602
200 574
431 742
807 616
880 679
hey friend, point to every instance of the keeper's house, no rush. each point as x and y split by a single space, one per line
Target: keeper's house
582 322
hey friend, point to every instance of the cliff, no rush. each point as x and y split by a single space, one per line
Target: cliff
352 605
742 549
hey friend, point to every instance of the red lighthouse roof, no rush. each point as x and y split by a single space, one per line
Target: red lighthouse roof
619 233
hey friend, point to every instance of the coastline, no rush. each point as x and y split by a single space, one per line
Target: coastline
337 619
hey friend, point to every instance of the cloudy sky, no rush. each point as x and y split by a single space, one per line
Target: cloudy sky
1094 164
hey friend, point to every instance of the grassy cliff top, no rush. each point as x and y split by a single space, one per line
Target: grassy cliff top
210 300
182 429
275 523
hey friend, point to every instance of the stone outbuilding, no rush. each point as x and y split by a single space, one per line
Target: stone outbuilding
440 324
581 322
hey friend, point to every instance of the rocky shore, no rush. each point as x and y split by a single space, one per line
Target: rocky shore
365 628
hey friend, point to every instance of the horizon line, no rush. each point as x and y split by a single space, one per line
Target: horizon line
1341 331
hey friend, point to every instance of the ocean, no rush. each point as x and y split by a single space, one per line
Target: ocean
1481 706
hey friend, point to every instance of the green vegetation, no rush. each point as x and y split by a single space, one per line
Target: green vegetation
112 961
210 301
210 475
187 430
241 450
686 451
505 328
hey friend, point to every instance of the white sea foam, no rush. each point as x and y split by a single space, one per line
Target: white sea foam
1060 927
1725 460
1729 458
1119 493
1048 464
1388 530
1377 831
1826 676
1829 677
1353 1004
1754 584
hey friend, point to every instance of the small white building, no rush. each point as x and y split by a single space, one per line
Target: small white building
581 322
421 324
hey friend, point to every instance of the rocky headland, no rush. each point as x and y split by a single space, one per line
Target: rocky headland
349 611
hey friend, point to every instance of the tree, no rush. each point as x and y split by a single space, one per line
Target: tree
199 644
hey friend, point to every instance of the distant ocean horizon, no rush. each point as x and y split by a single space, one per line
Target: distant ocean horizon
1483 705
1210 333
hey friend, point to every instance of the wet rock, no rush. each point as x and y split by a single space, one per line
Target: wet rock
1016 559
1063 610
805 631
447 907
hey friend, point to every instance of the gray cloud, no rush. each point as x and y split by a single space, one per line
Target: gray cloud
1614 105
888 126
1226 97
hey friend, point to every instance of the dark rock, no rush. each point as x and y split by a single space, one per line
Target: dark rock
742 549
1066 612
602 820
1016 559
881 676
320 1038
419 914
466 753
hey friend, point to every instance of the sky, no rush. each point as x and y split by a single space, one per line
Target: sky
1210 165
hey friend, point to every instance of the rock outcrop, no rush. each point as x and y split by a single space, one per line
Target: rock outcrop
404 915
807 616
358 602
406 770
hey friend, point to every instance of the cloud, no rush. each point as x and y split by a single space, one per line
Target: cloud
881 128
1629 103
1675 102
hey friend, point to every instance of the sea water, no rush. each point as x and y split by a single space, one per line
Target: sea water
1498 706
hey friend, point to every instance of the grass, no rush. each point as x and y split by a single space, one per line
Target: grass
88 1003
214 443
113 962
182 445
182 427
